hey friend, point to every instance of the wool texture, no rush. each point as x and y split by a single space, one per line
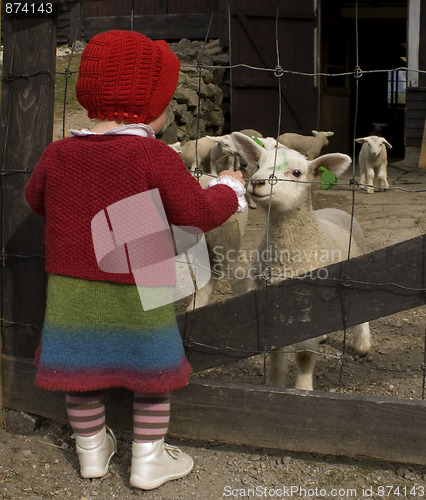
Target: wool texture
124 75
96 335
78 177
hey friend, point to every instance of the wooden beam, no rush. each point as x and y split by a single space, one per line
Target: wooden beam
362 289
338 424
349 425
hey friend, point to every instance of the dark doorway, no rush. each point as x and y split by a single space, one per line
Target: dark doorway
381 94
382 46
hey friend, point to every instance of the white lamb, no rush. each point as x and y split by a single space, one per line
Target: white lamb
203 146
299 238
305 144
223 155
373 157
224 244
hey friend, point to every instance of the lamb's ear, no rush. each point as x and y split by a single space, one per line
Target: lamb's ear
248 148
213 138
330 134
335 162
361 140
314 133
386 143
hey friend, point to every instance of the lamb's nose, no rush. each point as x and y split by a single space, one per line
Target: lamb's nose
257 183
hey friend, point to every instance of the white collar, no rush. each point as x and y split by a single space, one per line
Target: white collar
139 129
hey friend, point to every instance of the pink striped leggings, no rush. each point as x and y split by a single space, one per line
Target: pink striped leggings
151 414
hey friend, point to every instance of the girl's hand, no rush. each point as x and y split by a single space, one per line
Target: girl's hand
238 176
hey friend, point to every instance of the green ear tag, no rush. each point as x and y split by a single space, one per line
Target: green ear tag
328 179
258 141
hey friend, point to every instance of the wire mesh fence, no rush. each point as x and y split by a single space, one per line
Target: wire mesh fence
338 369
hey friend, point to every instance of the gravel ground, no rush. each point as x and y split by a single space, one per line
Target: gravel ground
43 464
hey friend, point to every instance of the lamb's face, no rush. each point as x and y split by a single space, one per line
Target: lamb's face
374 144
296 172
227 145
286 194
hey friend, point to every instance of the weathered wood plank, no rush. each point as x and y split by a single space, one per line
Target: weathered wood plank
159 27
378 284
336 424
27 101
26 123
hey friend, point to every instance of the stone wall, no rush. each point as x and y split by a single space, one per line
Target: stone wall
183 123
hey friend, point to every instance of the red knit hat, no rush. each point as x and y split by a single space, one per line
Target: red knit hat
126 76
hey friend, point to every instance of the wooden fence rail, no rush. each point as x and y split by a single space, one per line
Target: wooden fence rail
368 287
316 422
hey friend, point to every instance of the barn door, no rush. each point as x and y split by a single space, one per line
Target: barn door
254 94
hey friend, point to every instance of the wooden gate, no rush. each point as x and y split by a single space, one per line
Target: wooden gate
254 96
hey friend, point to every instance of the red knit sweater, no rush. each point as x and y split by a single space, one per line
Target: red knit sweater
78 177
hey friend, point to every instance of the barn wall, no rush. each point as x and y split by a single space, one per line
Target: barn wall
165 19
415 107
415 114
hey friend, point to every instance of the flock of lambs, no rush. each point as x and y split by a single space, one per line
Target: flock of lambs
297 240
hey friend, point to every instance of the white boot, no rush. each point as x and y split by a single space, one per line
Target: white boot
95 452
155 463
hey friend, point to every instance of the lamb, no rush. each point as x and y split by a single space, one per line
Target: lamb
305 144
373 156
203 146
249 167
299 238
223 155
224 244
176 146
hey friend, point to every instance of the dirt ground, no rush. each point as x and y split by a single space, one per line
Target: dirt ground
43 464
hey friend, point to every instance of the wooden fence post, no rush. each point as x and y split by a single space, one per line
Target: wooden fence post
26 125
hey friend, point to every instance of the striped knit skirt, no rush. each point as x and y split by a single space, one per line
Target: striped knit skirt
96 335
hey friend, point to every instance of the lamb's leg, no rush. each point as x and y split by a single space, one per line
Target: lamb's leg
361 174
251 203
306 360
278 368
239 275
382 176
370 180
362 339
203 295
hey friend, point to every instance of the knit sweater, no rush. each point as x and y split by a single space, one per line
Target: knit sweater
78 177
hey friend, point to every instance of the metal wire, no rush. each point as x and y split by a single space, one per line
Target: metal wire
269 276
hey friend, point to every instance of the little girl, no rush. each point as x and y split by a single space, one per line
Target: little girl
96 334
